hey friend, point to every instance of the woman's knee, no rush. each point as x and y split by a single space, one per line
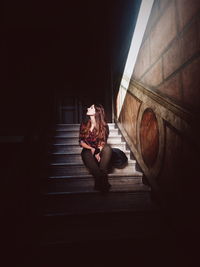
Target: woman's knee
107 149
86 154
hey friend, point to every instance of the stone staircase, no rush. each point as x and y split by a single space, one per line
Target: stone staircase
67 173
73 211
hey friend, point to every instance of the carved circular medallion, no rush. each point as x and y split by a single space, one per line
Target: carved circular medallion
149 137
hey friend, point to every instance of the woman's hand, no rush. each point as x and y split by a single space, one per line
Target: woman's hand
97 156
92 150
101 146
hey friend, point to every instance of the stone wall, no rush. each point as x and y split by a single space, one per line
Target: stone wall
161 109
168 61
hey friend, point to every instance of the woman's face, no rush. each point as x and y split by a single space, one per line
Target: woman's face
91 111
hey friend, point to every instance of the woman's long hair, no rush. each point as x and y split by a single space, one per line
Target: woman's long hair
101 129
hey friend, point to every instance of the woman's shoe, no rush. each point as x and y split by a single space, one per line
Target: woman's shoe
97 187
97 184
105 188
102 184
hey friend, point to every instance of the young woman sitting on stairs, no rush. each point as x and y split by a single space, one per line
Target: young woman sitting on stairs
96 153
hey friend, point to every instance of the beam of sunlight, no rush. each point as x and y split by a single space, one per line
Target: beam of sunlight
143 16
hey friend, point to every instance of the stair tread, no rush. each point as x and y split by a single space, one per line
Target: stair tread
111 175
89 191
76 137
78 124
88 182
86 185
91 202
80 164
77 144
76 153
116 226
77 130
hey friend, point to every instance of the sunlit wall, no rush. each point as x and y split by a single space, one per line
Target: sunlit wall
141 23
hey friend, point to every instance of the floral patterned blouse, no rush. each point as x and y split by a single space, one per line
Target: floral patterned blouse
92 139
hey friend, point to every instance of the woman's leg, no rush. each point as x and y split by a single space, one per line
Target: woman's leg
92 164
98 170
105 156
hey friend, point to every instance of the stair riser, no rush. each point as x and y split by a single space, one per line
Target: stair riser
78 170
113 132
77 127
88 184
76 148
66 159
70 158
74 141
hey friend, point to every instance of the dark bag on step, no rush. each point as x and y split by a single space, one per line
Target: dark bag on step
119 158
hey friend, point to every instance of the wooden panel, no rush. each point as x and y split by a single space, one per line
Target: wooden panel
171 163
149 137
129 116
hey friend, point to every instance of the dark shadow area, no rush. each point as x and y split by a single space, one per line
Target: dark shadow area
64 49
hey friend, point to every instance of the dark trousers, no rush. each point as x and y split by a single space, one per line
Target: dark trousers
98 169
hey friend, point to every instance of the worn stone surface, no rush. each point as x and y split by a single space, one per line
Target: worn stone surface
163 4
171 162
172 47
149 137
186 10
189 42
191 82
172 87
143 61
154 76
198 27
163 33
152 19
179 165
172 59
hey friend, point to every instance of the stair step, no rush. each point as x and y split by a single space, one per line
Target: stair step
74 164
71 168
75 133
95 202
66 186
71 157
74 140
64 148
103 229
77 126
68 192
84 176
